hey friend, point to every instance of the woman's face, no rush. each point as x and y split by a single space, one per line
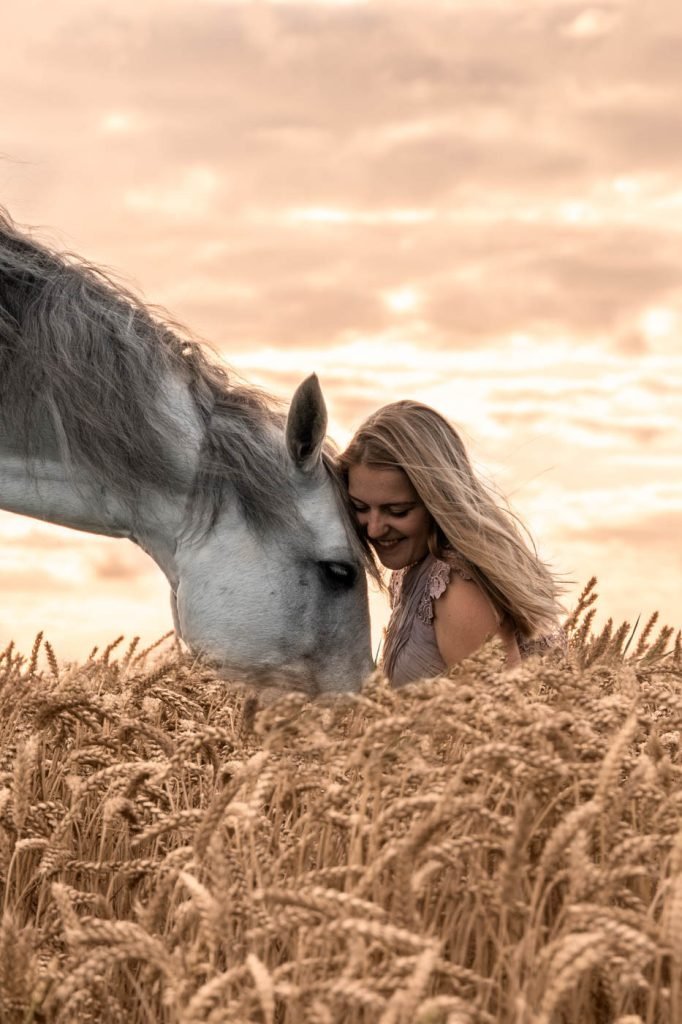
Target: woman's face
390 513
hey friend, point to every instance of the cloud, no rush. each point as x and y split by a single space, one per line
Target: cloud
656 533
189 197
124 564
504 123
272 172
592 23
41 555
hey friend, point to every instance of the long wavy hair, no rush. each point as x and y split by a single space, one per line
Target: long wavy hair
468 519
83 368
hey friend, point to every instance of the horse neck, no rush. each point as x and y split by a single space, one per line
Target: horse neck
45 487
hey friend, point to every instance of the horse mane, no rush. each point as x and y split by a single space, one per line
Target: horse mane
82 355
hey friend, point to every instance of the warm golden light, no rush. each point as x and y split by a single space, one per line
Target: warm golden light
403 300
592 23
658 322
189 196
319 215
117 123
473 205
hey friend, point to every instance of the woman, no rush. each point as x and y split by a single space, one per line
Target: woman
462 571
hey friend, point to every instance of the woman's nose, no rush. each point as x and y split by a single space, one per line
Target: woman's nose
376 524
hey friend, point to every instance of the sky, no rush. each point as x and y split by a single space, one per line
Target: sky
474 204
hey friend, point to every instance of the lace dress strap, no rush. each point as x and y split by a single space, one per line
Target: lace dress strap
436 585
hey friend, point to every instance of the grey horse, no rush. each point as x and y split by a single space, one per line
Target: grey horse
113 422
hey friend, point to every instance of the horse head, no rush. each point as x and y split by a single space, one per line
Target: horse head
287 603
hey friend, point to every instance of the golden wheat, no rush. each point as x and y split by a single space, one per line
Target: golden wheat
488 848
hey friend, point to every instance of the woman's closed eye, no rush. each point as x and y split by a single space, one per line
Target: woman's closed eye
394 513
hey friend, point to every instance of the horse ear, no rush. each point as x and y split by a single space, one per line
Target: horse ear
306 424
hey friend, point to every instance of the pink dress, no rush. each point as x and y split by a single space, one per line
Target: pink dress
410 648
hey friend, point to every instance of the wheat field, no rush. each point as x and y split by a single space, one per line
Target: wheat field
488 847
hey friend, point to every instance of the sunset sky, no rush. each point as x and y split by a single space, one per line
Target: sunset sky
475 204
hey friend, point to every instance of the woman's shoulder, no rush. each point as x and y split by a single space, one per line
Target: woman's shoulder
440 575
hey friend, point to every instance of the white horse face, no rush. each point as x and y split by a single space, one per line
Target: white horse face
290 608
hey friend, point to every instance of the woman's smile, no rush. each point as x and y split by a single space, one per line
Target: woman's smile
384 501
385 543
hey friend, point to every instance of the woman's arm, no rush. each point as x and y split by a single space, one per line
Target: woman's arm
464 619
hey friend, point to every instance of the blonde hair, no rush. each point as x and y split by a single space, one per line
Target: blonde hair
467 517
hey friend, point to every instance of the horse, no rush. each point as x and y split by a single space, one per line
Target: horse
113 420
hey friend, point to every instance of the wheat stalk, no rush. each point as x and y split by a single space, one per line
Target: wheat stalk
490 848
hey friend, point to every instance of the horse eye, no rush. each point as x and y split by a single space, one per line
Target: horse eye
339 575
